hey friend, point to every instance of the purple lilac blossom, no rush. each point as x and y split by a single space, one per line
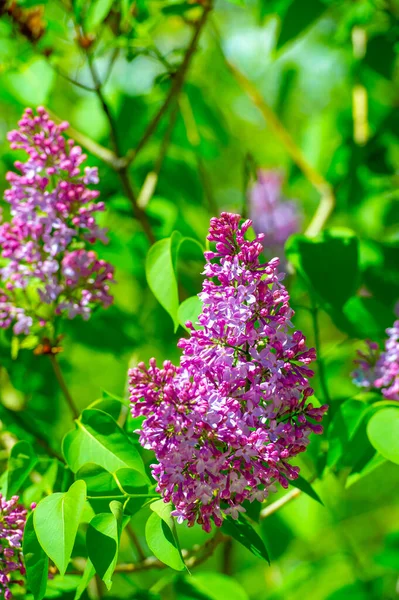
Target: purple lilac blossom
52 223
276 218
380 370
225 422
12 523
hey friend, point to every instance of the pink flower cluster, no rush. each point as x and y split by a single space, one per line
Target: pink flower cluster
225 423
12 523
277 219
52 222
380 370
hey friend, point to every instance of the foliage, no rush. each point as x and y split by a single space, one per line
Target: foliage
179 105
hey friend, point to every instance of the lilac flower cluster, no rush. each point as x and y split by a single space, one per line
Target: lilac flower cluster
224 424
49 270
380 370
12 523
275 218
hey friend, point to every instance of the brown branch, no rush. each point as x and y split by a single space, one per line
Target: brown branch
327 201
135 541
104 104
120 164
177 84
64 388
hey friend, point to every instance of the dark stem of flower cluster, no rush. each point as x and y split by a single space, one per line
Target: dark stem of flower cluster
61 381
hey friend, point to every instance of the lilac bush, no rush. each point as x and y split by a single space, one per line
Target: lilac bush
49 269
12 523
225 423
380 369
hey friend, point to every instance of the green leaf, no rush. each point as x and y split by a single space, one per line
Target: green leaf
56 519
20 464
22 84
102 541
160 536
110 406
242 531
383 433
161 275
343 428
299 16
87 576
306 488
98 11
362 318
99 439
161 271
212 586
374 463
36 561
328 264
189 310
100 481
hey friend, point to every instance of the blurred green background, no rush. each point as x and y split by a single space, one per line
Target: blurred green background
329 72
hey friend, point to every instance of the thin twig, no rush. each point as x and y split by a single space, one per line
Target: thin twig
177 84
151 180
26 424
104 104
122 170
63 385
194 138
135 541
327 201
111 63
78 84
272 508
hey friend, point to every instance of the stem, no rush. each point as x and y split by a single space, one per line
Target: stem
105 107
124 496
272 508
178 81
135 541
151 180
63 386
227 556
322 374
122 170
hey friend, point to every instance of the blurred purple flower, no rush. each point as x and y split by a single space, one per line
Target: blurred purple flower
276 218
380 370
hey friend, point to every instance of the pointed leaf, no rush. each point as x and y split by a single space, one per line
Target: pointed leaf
242 531
56 520
306 488
299 16
99 439
102 541
160 537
